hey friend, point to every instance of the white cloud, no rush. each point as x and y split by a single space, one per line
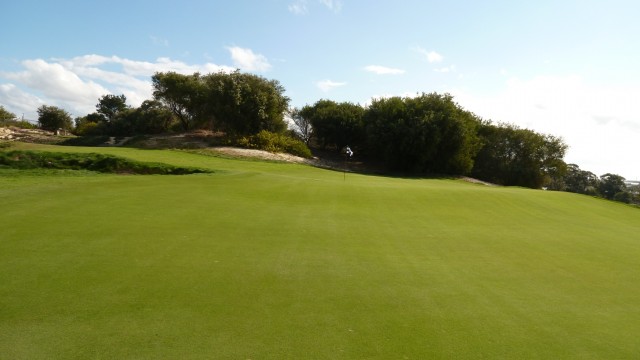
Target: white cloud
432 56
77 84
446 69
141 68
383 70
328 85
159 41
18 101
600 124
247 60
53 80
299 7
333 5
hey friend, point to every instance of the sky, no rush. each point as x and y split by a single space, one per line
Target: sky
567 68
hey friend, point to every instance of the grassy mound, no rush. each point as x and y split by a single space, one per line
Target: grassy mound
271 261
19 159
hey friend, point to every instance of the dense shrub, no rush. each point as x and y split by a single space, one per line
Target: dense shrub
275 142
88 128
86 141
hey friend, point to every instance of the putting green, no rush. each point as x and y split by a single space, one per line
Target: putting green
279 261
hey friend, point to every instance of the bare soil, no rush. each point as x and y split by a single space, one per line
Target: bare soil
30 135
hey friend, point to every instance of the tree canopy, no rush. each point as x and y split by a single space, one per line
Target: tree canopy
579 181
426 134
6 115
335 124
110 106
303 128
182 94
514 156
53 118
237 103
612 186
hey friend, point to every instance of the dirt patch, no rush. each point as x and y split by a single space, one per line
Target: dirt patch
29 135
476 181
261 154
351 166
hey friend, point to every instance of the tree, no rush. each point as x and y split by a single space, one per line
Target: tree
240 104
550 155
91 124
184 95
111 105
426 134
580 181
336 124
611 186
303 128
5 115
521 157
53 118
244 104
153 118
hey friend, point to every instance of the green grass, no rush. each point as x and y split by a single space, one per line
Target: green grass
277 261
44 160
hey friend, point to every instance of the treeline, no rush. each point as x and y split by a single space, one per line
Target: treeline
432 134
247 109
608 186
235 103
429 134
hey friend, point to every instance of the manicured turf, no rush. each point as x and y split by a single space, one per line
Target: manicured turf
278 261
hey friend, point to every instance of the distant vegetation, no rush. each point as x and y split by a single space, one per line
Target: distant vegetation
429 134
8 118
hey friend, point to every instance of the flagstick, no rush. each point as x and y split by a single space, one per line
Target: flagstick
347 155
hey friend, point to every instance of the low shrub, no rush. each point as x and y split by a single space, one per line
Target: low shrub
275 142
22 124
89 129
85 141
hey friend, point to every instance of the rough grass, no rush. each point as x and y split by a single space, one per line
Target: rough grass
29 160
283 261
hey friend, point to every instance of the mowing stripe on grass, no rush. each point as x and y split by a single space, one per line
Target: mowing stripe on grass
272 261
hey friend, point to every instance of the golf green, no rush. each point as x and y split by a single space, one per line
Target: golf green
263 260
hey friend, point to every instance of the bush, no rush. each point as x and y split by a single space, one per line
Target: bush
89 128
275 142
86 141
22 124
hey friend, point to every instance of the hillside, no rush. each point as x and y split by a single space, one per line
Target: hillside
269 260
205 141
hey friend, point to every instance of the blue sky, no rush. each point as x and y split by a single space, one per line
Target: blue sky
568 68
